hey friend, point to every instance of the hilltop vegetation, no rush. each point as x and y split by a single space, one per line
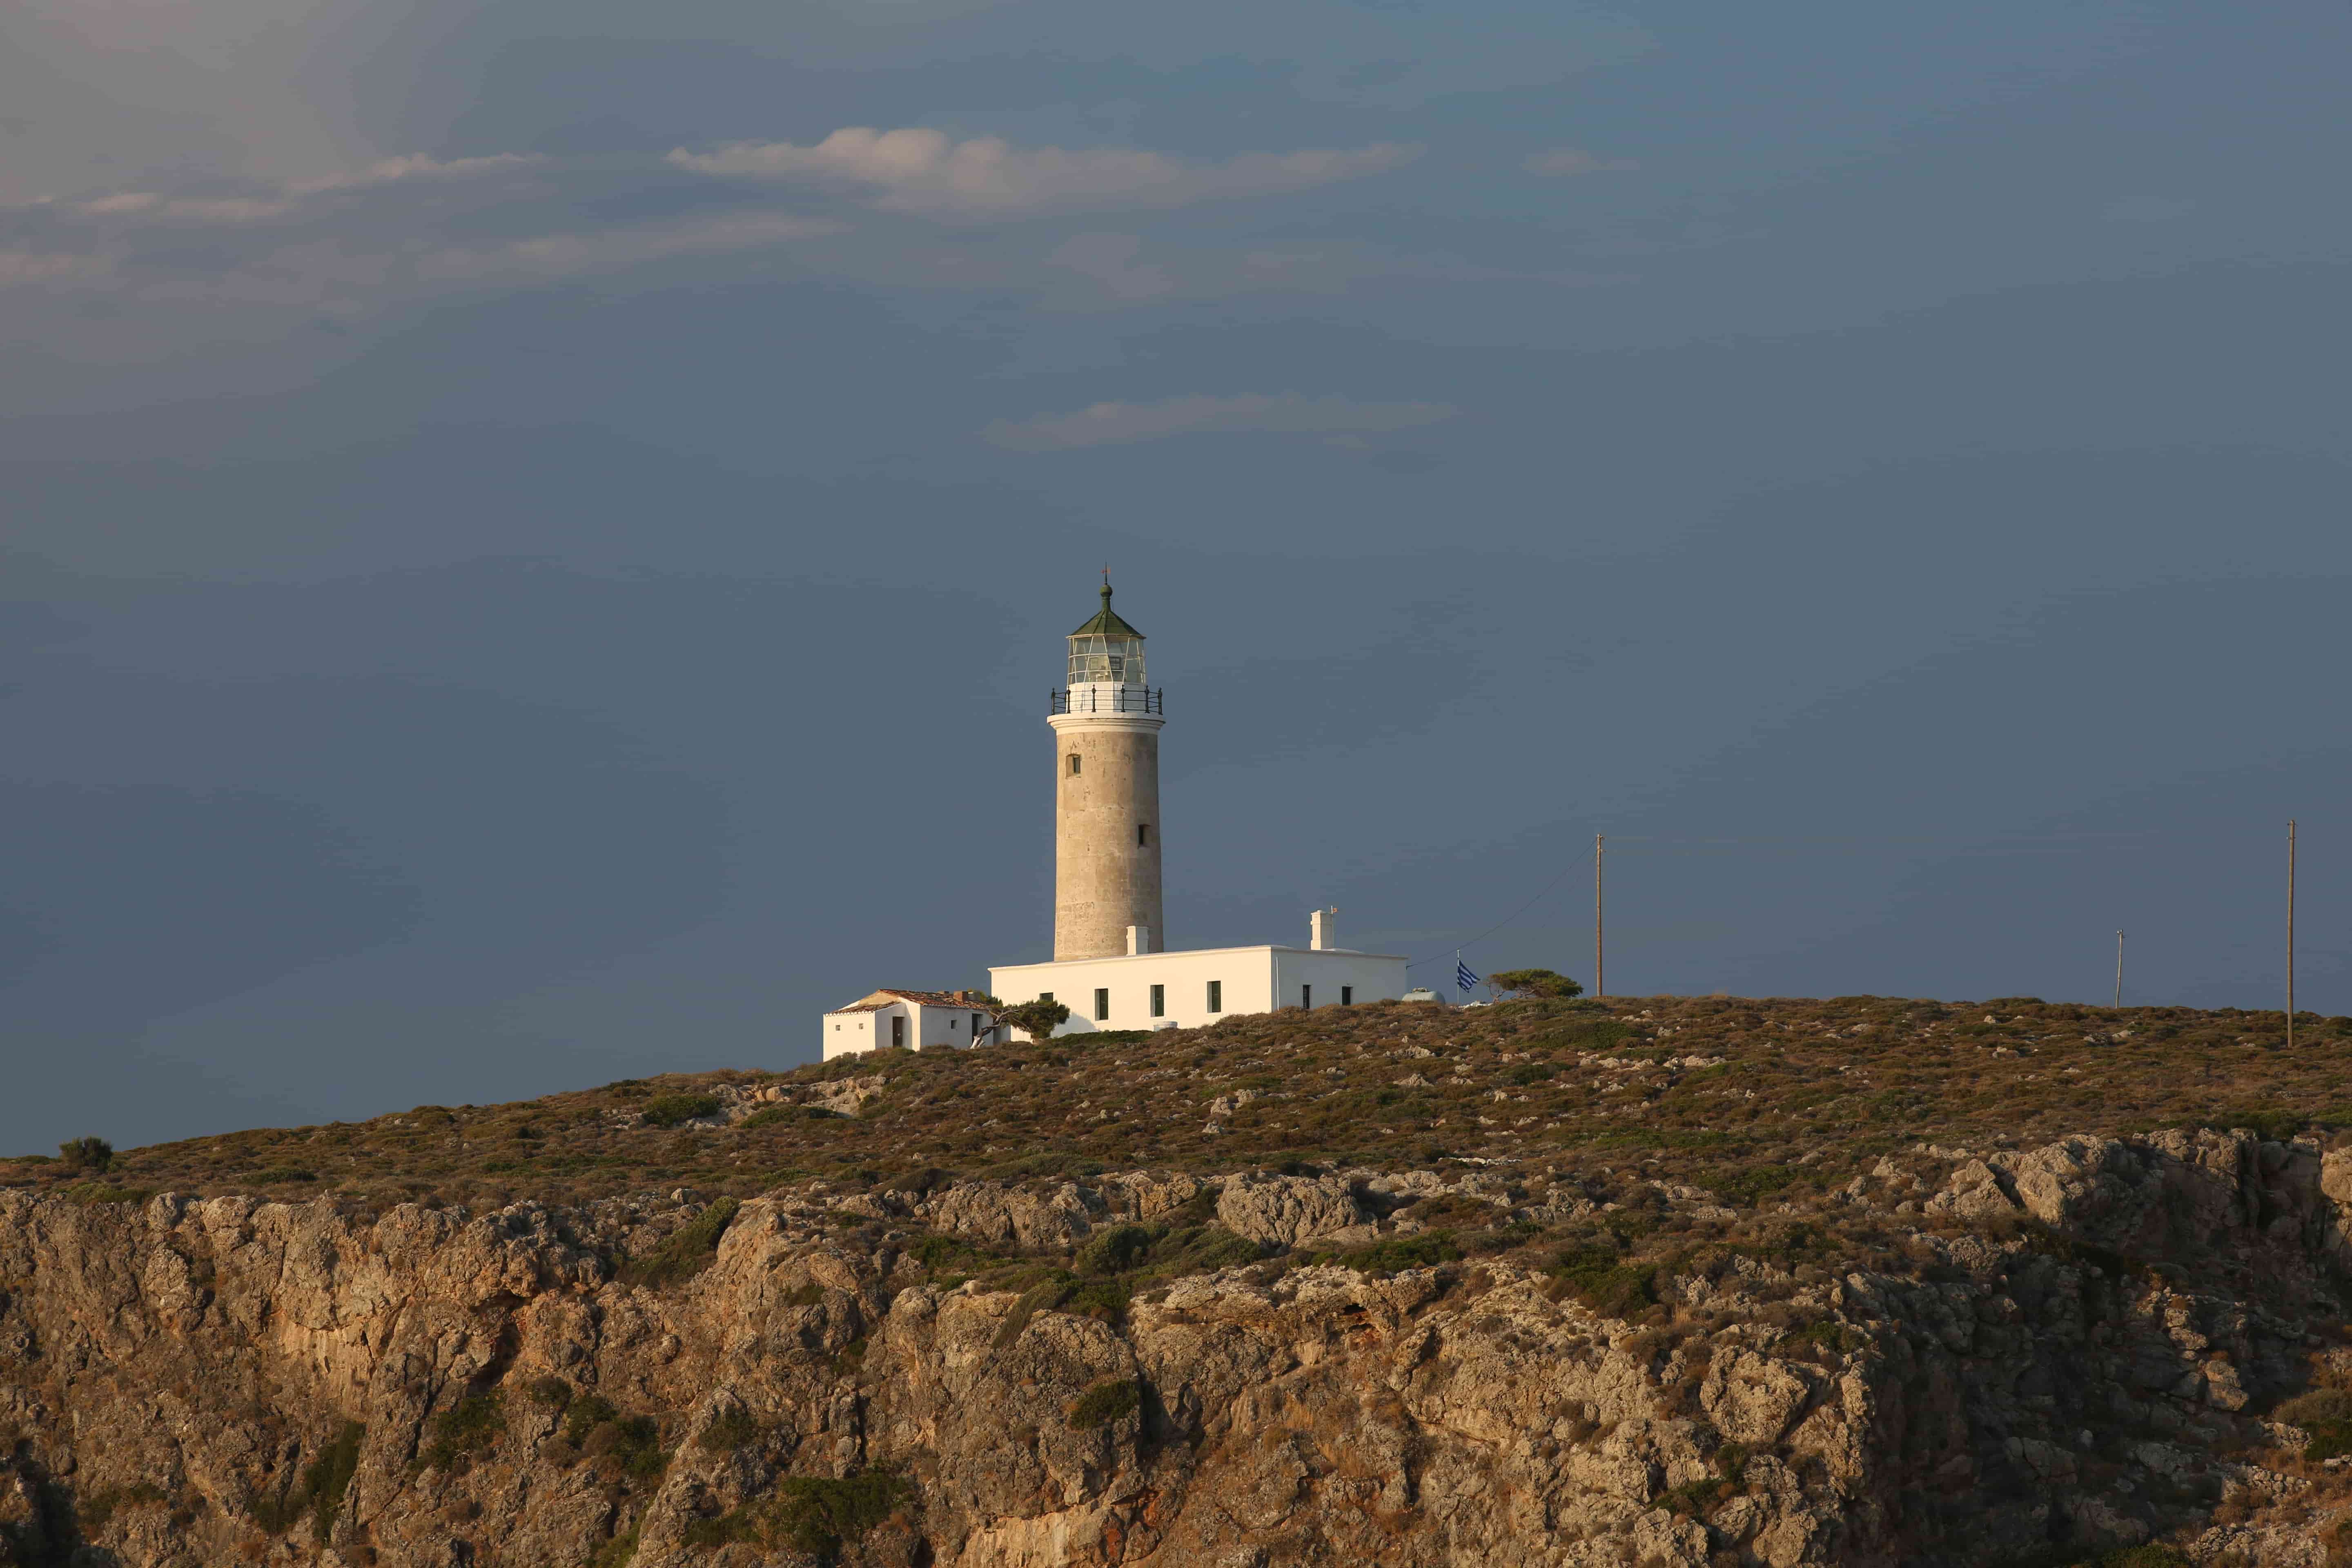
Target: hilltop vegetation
1699 1282
1742 1098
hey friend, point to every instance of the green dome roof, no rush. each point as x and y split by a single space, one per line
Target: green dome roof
1107 622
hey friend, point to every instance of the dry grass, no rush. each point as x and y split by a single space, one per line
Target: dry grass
1806 1094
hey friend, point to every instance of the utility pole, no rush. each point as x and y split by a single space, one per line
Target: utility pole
2119 968
2290 933
1600 982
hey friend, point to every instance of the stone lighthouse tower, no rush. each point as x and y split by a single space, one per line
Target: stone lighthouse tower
1107 795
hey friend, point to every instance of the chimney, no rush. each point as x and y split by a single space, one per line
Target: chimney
1320 931
1139 939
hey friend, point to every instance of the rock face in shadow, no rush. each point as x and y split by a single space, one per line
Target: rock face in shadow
192 1384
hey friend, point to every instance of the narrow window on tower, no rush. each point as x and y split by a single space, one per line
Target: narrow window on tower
1307 997
1142 833
1216 995
1160 1001
1044 996
1102 1005
1347 995
1074 764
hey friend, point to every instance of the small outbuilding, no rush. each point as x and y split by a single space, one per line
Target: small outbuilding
917 1020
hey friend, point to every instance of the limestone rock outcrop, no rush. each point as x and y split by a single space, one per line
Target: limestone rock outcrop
2081 1362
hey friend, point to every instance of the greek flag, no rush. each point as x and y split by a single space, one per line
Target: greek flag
1461 975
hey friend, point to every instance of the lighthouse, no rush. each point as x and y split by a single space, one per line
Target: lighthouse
1112 966
1106 721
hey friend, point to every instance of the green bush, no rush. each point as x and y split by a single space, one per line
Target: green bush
1750 1186
1105 1403
687 1252
2326 1414
1118 1250
2267 1122
465 1430
585 1414
819 1516
1036 1019
722 1530
1536 983
86 1154
98 1510
1603 1281
330 1477
1528 1073
769 1115
286 1173
1040 1297
1422 1249
669 1110
1598 1035
731 1429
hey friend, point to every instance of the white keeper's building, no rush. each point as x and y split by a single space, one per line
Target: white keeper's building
1112 966
916 1019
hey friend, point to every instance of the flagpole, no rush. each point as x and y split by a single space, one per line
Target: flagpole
1600 975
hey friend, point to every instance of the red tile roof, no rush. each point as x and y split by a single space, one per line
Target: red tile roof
970 1001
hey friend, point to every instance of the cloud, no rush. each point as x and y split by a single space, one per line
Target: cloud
204 209
918 170
1110 260
415 166
51 266
562 255
1558 163
1116 424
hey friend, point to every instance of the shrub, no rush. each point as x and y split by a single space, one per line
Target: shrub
1603 1281
86 1154
1036 1019
552 1391
465 1430
2326 1414
769 1116
1596 1036
587 1413
687 1252
1116 1250
1755 1183
2267 1122
286 1173
722 1530
1536 983
733 1429
669 1110
98 1509
1422 1249
330 1477
620 1551
819 1516
1040 1297
319 1489
1105 1403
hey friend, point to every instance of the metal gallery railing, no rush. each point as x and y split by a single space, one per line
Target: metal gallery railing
1106 699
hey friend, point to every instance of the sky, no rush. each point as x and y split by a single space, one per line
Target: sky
534 538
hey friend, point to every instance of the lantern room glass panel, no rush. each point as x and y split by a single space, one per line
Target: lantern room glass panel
1113 661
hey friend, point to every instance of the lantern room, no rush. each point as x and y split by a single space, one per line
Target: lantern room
1107 650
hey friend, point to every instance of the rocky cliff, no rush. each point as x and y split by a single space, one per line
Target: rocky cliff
2051 1353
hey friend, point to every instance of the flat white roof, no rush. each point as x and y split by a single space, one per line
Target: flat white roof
1199 952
